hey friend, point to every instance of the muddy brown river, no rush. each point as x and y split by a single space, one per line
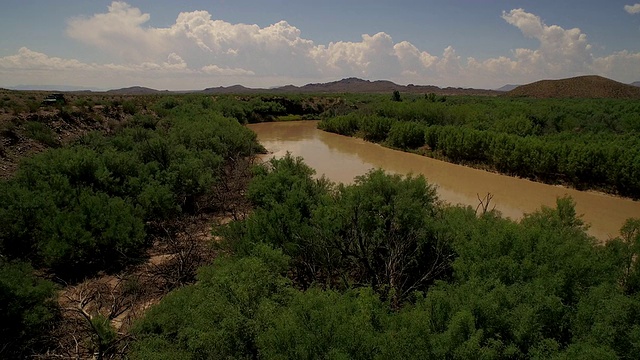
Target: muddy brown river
342 158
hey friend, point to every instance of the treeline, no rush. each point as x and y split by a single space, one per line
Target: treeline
381 270
72 212
257 108
585 143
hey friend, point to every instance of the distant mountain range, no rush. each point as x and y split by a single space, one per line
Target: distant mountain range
582 86
351 85
348 85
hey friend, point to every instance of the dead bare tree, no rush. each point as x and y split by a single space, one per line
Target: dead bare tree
183 250
228 193
96 316
402 275
484 204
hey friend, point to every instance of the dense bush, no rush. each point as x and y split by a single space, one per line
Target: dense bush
541 288
343 125
86 208
27 309
221 316
406 135
375 128
378 269
80 209
379 230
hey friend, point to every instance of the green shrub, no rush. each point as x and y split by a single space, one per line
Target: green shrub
82 209
129 107
538 288
42 133
27 310
406 135
343 125
375 128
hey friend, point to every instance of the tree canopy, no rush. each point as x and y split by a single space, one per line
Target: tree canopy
381 269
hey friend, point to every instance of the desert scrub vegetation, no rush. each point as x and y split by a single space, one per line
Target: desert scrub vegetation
80 209
95 206
40 132
382 270
377 269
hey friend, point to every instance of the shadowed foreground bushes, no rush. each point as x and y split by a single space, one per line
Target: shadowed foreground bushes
381 270
82 209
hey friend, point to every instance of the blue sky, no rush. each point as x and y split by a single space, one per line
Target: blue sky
195 44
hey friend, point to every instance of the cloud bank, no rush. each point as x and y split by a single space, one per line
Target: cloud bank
632 9
199 51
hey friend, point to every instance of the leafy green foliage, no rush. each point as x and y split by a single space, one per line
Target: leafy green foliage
325 324
406 135
382 231
27 309
379 269
81 209
377 232
343 125
221 315
285 196
375 128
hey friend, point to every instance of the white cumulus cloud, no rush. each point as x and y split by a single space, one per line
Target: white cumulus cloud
216 70
632 9
121 32
561 51
32 67
217 47
198 51
27 59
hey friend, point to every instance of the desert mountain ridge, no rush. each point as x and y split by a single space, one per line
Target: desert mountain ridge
352 85
135 90
589 86
346 85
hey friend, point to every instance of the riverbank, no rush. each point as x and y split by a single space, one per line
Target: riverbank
587 144
341 158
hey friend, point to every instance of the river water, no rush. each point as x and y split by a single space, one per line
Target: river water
342 158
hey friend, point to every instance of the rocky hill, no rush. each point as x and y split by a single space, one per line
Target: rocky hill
591 86
352 85
134 90
234 89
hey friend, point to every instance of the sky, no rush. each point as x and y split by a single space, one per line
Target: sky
192 45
